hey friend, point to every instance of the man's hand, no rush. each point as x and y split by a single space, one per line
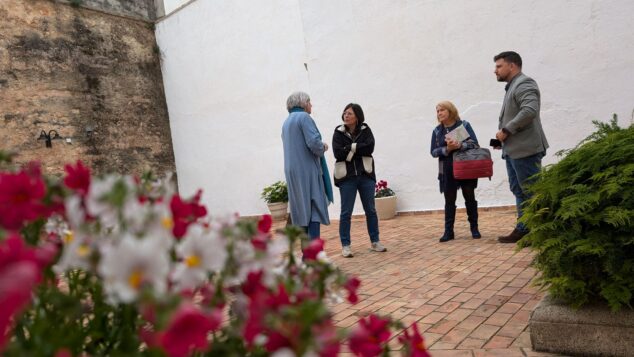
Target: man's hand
501 135
325 147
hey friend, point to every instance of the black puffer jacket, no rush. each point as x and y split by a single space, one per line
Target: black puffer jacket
353 154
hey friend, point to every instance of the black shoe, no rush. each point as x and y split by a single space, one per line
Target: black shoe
513 237
446 237
475 233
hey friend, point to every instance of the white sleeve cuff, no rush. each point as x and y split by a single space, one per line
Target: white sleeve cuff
353 149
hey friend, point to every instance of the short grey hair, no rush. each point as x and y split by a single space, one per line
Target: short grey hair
297 99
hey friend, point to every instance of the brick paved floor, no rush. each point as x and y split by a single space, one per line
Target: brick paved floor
469 297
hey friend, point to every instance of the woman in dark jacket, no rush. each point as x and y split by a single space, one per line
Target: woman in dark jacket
353 145
442 148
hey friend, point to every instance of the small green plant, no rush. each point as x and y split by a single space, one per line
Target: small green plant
581 217
75 3
276 192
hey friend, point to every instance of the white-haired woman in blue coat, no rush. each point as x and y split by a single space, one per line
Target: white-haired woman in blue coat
307 178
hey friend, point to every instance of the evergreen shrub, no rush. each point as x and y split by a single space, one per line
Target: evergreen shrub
581 217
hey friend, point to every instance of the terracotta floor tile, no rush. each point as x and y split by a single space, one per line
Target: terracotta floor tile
448 306
456 335
485 310
459 314
498 319
510 307
513 330
499 342
484 332
443 326
498 352
471 343
451 353
473 303
471 322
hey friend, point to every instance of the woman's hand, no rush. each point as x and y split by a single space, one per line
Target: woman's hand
452 145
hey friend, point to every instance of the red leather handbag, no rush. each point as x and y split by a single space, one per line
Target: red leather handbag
472 163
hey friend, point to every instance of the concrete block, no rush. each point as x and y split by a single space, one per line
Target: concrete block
590 331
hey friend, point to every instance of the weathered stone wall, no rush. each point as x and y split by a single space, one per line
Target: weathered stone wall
64 68
142 9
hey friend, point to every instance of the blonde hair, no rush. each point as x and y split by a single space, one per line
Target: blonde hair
453 111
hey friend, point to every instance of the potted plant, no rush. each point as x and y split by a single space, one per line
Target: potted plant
276 197
385 200
580 221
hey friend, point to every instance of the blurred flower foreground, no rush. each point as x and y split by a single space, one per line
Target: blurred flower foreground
124 266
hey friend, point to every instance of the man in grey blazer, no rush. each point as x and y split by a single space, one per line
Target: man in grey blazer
520 131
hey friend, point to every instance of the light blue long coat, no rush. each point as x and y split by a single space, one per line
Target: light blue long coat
302 151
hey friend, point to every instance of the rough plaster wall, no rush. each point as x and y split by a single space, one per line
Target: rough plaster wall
142 9
229 67
64 68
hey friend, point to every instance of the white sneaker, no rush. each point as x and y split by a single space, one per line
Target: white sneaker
378 247
346 252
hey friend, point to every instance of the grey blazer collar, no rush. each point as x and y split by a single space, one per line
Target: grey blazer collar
507 97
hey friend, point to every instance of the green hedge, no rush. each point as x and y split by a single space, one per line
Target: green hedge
581 218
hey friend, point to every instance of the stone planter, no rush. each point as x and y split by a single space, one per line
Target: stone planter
589 331
278 210
385 207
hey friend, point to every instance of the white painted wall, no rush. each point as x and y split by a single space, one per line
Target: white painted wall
172 5
228 67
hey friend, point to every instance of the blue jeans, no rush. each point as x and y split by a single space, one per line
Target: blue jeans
521 172
312 230
348 190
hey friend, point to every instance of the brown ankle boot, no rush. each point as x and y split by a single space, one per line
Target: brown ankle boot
513 237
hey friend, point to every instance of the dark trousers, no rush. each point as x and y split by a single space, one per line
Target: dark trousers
468 192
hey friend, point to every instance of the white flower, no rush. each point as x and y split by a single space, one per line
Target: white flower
283 352
98 205
132 264
56 225
202 252
74 211
157 222
76 253
244 258
275 259
322 257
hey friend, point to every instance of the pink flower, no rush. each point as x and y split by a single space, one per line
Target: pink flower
311 251
260 241
276 301
20 272
352 285
63 352
367 339
21 197
276 340
187 331
326 339
265 223
414 344
185 213
77 178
